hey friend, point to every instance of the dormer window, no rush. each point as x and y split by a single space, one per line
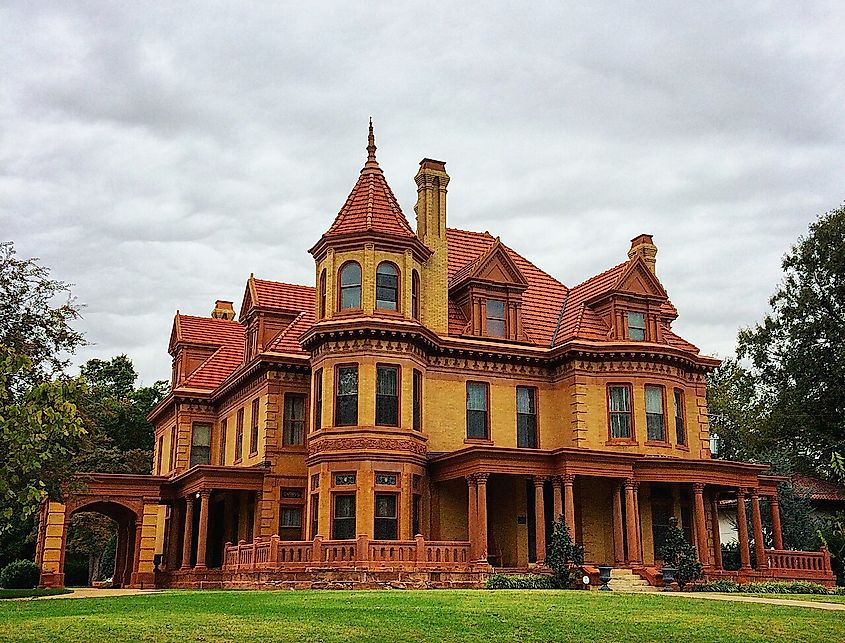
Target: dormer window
387 287
636 327
350 286
495 318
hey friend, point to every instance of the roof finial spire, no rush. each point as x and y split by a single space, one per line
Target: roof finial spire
371 149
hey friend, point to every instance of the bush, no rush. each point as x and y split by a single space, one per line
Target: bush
528 581
563 556
20 574
678 553
772 587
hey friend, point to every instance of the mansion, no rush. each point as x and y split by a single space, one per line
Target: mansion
423 413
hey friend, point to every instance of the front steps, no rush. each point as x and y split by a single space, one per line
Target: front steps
624 580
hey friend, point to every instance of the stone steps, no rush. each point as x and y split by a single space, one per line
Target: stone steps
624 580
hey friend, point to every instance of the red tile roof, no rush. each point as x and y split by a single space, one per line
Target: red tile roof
577 320
818 489
292 297
226 335
541 301
371 206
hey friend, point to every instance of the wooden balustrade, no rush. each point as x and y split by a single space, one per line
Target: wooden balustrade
275 554
802 561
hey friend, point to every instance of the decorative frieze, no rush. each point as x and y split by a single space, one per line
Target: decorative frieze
366 443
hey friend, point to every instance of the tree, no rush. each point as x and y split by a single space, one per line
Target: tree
89 536
35 318
563 555
678 553
40 429
737 414
798 350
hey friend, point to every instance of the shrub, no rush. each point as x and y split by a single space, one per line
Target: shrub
563 556
771 587
19 574
678 553
528 581
726 586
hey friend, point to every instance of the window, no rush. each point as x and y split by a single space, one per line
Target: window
201 444
315 514
318 399
655 424
293 431
173 442
387 479
680 429
223 431
526 417
350 286
495 318
636 327
343 525
290 523
253 433
322 310
342 479
346 398
387 395
387 287
415 295
387 522
619 409
477 410
417 401
239 436
159 454
415 515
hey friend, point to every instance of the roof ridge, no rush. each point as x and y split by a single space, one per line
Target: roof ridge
283 283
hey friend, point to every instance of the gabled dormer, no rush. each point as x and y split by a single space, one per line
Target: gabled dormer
489 293
635 307
268 309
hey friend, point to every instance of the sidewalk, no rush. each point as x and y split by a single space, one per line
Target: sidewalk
739 598
92 592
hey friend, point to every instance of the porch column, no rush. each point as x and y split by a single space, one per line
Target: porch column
742 529
136 555
189 532
230 520
569 504
618 529
481 483
717 536
202 536
633 532
539 520
256 517
472 515
777 533
700 524
757 522
557 495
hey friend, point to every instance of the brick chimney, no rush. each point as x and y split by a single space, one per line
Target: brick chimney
223 310
431 180
643 246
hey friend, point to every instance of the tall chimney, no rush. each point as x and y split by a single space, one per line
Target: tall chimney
223 310
431 180
643 246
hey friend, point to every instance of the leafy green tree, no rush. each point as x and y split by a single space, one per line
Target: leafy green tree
88 537
678 553
40 429
36 313
797 350
563 556
737 413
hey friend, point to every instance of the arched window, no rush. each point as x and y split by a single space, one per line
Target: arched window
322 295
387 287
350 286
415 295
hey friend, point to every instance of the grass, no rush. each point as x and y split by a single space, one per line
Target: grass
30 593
440 615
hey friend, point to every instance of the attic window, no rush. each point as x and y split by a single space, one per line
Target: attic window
636 327
495 318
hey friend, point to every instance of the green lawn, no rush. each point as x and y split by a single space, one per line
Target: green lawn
411 615
29 593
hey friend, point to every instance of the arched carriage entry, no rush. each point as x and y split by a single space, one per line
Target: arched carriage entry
131 502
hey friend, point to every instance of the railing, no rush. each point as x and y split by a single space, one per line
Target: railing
817 562
276 554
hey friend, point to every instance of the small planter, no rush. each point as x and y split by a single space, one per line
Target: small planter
604 577
668 577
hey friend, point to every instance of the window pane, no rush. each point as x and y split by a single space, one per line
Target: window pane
653 399
620 425
344 517
387 380
417 402
385 506
495 318
526 431
202 435
476 396
636 326
291 517
619 399
350 297
387 287
680 429
347 380
351 275
524 400
476 424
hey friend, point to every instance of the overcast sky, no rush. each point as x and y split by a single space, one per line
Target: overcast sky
154 154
